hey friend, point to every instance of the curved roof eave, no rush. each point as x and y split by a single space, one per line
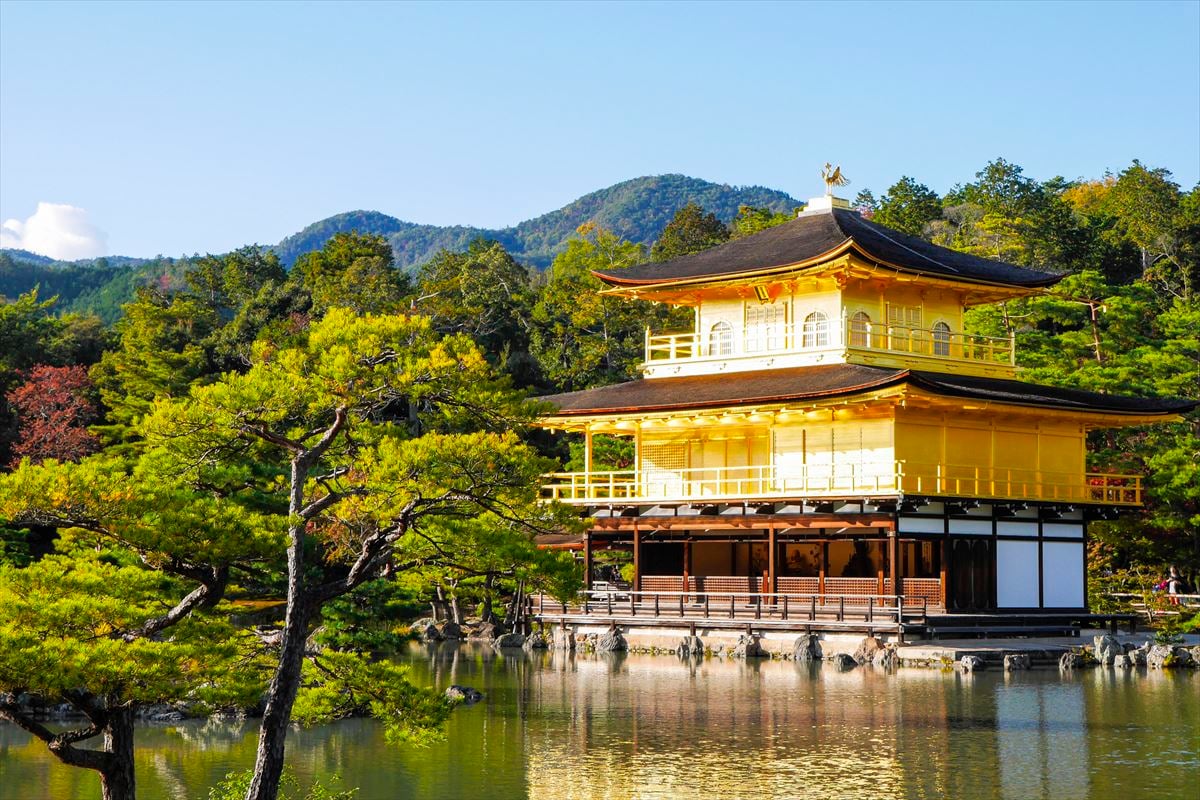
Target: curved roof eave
617 282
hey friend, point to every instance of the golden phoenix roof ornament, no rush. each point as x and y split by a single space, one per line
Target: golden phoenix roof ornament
833 177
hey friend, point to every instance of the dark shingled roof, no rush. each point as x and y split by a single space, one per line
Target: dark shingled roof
813 235
832 380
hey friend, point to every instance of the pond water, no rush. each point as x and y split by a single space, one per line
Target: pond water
639 726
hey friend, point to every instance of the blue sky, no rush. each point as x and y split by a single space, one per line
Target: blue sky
200 127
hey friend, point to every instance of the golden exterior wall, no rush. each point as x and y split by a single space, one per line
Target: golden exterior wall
982 455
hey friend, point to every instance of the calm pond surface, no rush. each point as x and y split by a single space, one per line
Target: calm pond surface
639 726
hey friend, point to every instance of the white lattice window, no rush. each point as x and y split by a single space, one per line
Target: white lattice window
816 331
860 329
765 327
662 465
720 339
941 339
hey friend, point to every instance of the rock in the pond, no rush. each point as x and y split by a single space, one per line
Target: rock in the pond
867 649
430 633
1106 648
807 648
1015 662
484 631
535 641
1159 656
611 641
463 694
970 664
690 646
843 661
1122 662
1195 655
1181 657
1137 657
1071 660
887 657
510 641
562 639
748 646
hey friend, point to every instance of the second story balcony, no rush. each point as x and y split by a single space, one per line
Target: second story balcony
825 341
883 480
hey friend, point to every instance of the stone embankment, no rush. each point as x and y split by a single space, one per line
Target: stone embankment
846 653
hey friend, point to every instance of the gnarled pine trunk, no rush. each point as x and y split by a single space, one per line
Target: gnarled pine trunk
117 776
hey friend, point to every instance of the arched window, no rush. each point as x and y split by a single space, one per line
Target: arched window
860 329
941 339
815 331
720 339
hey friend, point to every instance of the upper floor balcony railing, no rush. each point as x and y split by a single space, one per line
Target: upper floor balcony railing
829 336
881 479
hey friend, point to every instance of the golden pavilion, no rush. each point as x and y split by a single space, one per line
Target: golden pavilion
828 428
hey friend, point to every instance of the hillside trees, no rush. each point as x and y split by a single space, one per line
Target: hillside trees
582 338
484 293
691 230
353 270
908 207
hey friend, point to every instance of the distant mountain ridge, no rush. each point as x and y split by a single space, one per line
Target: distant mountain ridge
636 210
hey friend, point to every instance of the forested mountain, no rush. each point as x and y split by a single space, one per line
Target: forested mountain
636 210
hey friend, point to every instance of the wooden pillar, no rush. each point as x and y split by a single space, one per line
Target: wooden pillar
637 558
944 557
893 558
772 570
587 560
587 450
687 563
824 566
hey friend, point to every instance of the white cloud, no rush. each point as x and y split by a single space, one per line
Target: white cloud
56 230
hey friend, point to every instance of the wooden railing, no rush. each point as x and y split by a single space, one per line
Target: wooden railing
879 479
874 611
830 335
724 483
1020 484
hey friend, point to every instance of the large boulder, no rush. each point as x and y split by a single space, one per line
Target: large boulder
807 648
429 633
562 639
1106 648
535 641
748 646
463 694
1122 662
1071 660
1160 656
1014 662
887 657
510 641
1182 657
970 664
843 661
485 631
867 649
451 630
1137 656
690 646
1195 655
611 641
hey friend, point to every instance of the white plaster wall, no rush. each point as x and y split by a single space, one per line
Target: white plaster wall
1062 571
1016 574
1074 531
